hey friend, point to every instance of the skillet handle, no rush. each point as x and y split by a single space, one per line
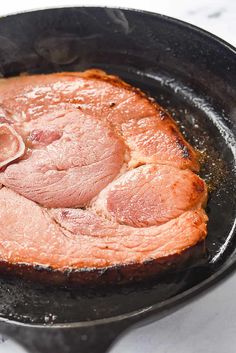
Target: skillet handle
94 339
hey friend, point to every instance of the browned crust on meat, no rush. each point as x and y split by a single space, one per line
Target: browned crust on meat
102 75
120 274
118 82
188 152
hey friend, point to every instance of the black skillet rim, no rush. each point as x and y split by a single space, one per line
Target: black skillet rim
227 268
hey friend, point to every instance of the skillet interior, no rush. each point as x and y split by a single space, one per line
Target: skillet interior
188 72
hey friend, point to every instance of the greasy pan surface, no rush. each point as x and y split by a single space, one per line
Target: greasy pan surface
190 73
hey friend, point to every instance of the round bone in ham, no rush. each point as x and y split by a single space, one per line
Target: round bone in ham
12 145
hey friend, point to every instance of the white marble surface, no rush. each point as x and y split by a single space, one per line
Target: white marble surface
207 325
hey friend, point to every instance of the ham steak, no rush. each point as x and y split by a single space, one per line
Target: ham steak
96 180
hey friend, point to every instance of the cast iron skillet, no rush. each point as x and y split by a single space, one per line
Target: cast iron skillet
190 72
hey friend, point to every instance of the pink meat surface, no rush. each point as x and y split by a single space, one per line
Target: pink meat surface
86 240
93 175
149 131
151 195
71 158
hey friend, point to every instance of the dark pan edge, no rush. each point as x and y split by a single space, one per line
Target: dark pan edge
127 9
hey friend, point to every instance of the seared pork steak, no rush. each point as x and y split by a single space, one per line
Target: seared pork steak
95 176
